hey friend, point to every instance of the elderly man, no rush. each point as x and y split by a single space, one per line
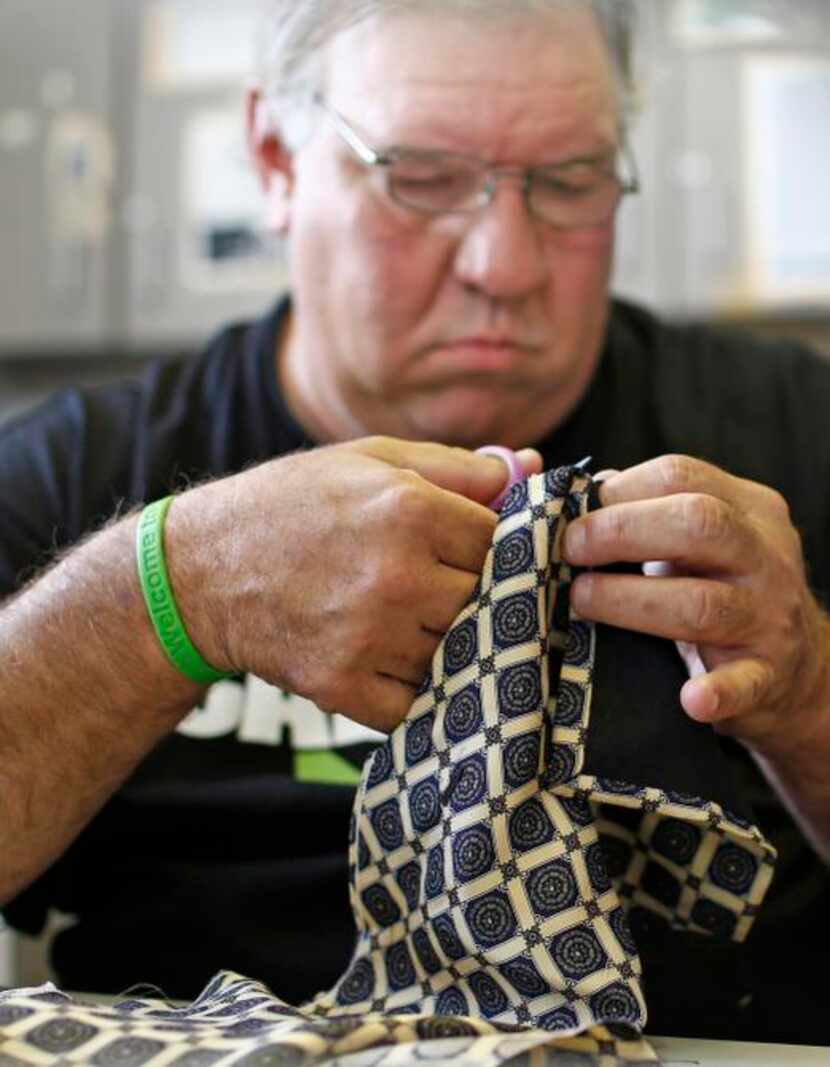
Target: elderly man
448 175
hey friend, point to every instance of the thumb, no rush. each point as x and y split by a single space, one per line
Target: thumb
479 478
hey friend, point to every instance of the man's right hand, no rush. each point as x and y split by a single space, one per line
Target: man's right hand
335 573
332 573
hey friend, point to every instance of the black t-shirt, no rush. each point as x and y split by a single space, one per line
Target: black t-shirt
227 846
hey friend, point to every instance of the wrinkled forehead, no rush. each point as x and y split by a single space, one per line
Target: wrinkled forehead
495 86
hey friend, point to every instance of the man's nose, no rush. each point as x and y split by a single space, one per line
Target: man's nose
502 250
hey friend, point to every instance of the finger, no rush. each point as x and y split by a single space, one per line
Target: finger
692 529
729 691
388 701
668 475
531 460
405 671
461 532
696 610
409 662
439 608
479 478
687 650
515 470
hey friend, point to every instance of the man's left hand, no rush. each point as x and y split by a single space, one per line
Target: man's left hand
732 582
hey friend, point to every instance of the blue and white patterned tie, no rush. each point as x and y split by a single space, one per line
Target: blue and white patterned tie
490 876
482 859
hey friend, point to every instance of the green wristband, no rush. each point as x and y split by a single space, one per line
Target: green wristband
158 596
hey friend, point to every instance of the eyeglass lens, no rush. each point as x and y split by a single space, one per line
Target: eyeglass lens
580 196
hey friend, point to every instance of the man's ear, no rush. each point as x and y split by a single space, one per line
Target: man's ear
272 160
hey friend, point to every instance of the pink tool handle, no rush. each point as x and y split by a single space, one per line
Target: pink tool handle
516 472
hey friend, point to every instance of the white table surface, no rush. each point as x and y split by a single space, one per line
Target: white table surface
692 1052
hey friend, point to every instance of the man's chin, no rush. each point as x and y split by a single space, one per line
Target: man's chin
476 421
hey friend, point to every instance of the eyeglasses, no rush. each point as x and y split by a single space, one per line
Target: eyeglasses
578 194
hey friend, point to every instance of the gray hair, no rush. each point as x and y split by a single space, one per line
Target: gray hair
297 33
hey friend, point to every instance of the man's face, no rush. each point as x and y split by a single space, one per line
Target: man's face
461 329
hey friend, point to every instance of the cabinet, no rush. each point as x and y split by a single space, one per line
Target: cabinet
57 173
725 182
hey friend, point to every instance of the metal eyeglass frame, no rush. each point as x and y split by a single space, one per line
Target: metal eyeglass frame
371 157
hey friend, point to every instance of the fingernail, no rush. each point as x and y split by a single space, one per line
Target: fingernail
701 702
574 545
580 596
530 458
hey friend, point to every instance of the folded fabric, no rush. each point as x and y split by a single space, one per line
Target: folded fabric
492 868
503 839
236 1022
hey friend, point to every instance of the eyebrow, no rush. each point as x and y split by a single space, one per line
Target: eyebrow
601 156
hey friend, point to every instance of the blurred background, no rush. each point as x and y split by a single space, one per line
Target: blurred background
130 220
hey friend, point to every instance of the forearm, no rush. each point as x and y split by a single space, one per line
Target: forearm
85 693
796 761
269 580
801 777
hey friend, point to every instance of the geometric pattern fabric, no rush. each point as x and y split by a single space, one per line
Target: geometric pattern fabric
489 876
491 879
239 1022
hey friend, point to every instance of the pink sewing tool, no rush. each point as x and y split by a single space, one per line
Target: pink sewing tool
516 472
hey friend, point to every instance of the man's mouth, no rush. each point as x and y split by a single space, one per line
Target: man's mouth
483 353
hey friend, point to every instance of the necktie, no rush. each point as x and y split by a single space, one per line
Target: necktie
492 871
484 864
